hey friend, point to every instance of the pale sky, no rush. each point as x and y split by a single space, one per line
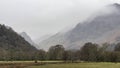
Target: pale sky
41 17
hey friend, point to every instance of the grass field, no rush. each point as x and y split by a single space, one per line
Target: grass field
56 64
79 65
23 64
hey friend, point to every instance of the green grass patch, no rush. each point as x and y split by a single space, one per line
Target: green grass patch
56 64
79 65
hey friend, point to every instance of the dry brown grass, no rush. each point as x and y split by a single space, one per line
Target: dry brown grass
22 64
19 64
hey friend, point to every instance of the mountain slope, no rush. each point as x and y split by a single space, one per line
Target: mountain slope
38 40
99 30
12 44
28 39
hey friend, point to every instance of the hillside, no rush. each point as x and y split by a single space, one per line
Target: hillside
104 27
28 39
12 44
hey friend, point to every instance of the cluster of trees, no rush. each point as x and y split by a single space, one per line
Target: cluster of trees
89 52
95 53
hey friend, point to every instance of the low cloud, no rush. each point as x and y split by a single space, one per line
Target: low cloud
40 17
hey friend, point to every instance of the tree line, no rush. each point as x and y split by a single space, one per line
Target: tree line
90 52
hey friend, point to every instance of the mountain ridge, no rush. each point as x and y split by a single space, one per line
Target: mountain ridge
89 31
28 39
11 43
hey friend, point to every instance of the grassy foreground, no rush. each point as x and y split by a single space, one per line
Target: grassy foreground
56 64
79 65
23 64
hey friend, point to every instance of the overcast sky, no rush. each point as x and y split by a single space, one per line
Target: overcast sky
41 17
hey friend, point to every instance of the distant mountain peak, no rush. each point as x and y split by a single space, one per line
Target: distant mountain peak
117 5
28 39
24 33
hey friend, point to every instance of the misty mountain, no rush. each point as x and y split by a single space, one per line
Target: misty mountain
38 40
104 27
28 39
11 41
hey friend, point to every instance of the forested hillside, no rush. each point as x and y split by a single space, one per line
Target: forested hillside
13 46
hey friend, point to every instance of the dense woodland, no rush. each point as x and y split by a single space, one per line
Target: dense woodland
14 47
